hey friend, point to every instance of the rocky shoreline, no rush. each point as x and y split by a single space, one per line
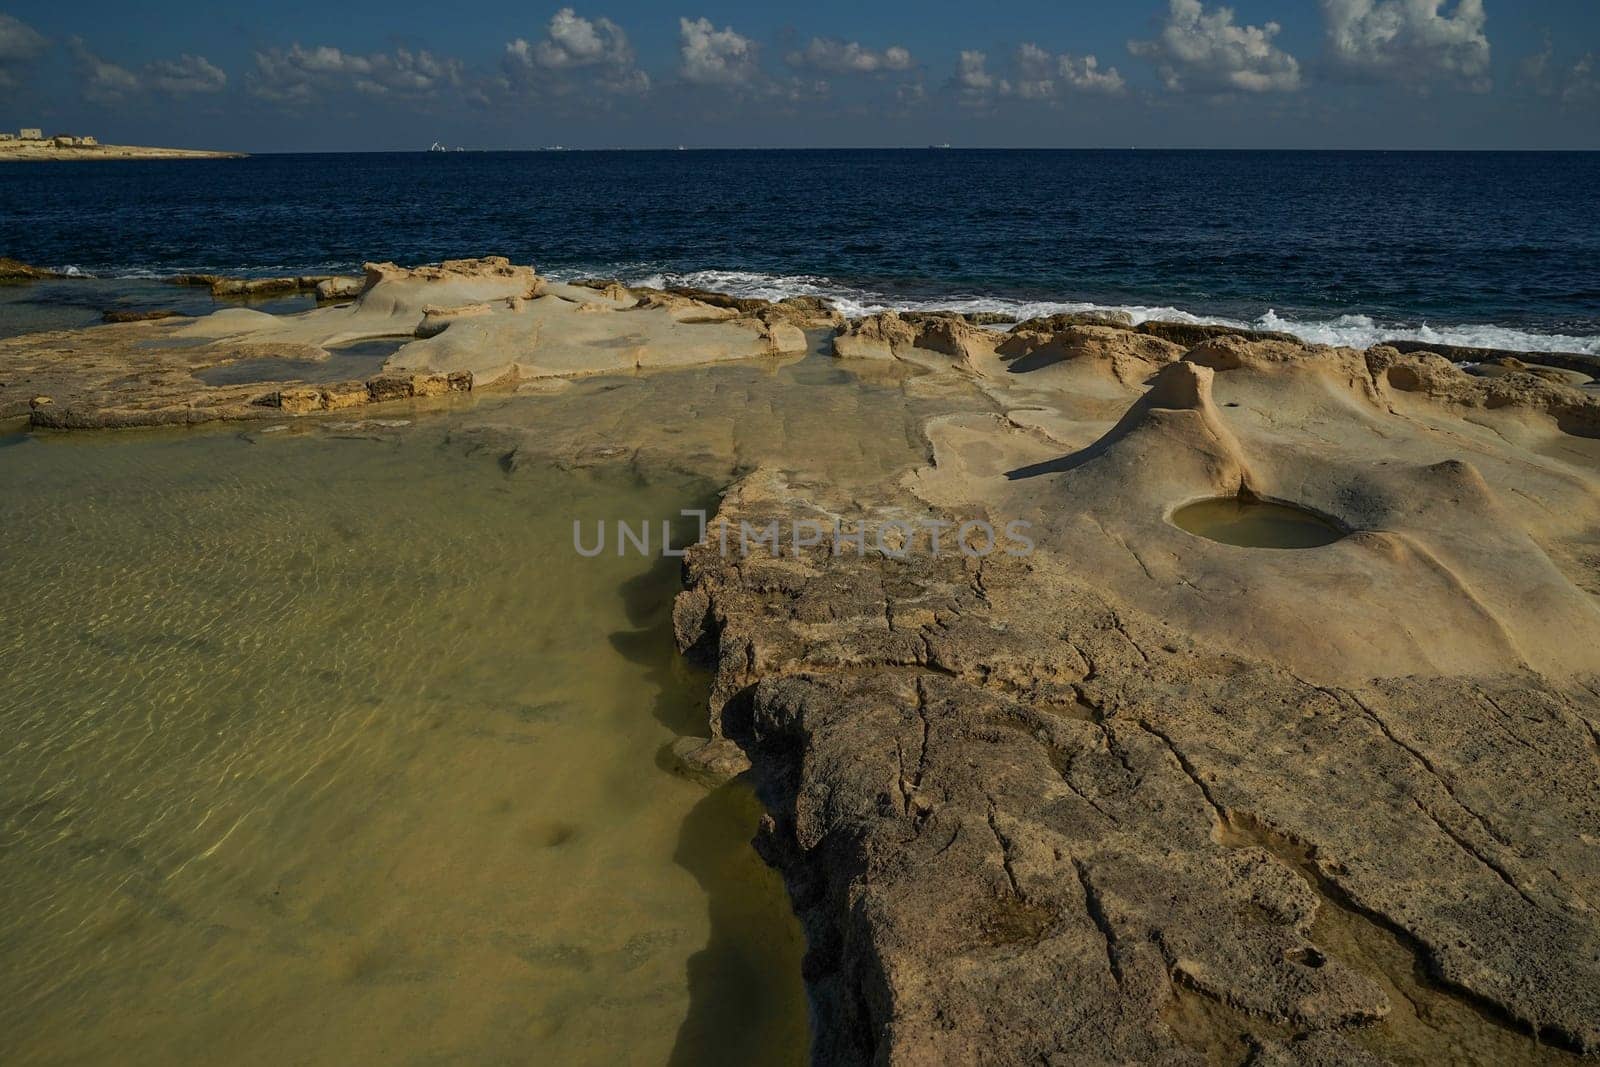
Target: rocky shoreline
48 151
1135 795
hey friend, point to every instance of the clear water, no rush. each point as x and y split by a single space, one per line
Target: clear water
329 751
355 362
1255 524
1488 248
71 304
324 746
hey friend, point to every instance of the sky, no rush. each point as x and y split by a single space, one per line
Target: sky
398 75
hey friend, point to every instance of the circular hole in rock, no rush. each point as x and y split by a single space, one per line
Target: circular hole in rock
1247 522
1308 956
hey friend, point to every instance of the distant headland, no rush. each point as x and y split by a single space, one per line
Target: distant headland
30 143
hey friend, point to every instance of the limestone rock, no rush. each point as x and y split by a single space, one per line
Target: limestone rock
712 763
334 289
141 316
1066 320
1189 334
913 338
15 270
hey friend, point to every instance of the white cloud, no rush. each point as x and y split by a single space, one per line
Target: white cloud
715 57
1582 82
1574 85
104 82
184 75
598 47
1207 51
834 56
1043 76
100 80
972 74
20 45
1410 40
297 75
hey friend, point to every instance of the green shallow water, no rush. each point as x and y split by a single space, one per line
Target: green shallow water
1255 524
322 750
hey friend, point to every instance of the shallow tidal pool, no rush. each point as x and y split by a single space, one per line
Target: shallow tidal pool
328 750
1255 524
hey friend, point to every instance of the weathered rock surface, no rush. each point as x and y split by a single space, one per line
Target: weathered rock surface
12 270
1573 361
483 321
142 316
1139 796
332 289
1135 795
222 285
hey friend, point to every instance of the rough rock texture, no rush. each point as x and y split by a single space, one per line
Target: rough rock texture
221 285
483 321
1191 333
142 316
806 312
15 270
1138 796
335 289
1574 361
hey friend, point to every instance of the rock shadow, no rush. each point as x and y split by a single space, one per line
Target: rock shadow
747 1001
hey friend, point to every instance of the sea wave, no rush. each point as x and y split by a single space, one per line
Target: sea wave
1354 331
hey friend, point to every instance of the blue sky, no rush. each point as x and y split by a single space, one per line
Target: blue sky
301 76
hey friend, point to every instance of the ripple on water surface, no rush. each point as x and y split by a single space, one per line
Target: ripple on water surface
332 751
352 362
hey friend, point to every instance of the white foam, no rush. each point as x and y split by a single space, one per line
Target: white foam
1360 331
1354 331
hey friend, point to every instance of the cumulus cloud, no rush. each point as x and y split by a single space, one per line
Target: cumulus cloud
184 75
1409 40
298 75
105 82
1582 82
20 45
973 78
1207 51
715 57
101 80
1574 85
834 56
1043 76
596 48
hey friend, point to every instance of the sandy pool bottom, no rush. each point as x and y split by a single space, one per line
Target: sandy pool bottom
334 751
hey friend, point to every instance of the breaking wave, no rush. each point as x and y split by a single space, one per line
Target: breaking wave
1354 331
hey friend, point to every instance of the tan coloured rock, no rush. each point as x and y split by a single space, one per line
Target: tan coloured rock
1140 796
334 289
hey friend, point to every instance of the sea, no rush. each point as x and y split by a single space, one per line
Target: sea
1485 249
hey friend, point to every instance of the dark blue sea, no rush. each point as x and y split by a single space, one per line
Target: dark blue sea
1498 249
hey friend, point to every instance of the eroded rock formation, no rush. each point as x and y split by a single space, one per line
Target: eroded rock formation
1138 796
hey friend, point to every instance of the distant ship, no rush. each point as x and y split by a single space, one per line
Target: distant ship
938 146
437 147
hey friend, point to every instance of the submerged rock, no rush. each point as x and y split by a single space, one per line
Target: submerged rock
142 316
